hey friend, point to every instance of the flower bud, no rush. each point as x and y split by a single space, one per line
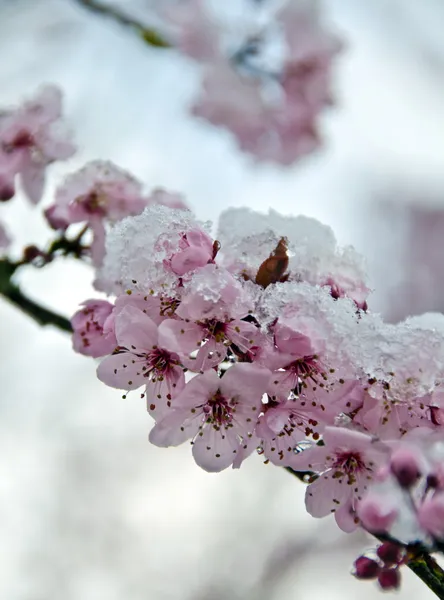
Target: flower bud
389 579
7 192
405 466
431 515
54 219
366 568
389 553
30 253
376 514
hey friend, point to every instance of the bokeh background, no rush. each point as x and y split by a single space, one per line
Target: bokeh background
88 509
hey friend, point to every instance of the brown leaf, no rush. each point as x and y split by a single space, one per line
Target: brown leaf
273 268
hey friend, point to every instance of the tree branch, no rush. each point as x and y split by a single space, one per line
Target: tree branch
149 36
422 564
427 569
12 293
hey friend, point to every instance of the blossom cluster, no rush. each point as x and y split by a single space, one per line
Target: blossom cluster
269 85
259 340
252 338
33 136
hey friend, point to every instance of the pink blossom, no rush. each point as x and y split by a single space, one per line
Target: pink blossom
391 418
33 136
98 193
139 250
211 339
349 288
296 375
9 167
431 515
213 293
219 414
284 425
157 308
298 335
195 250
140 359
346 464
267 131
194 32
378 513
406 466
236 94
94 329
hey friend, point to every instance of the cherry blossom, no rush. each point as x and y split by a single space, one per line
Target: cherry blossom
193 30
93 328
31 137
269 325
139 250
346 464
140 360
98 193
219 414
406 497
271 107
210 337
286 424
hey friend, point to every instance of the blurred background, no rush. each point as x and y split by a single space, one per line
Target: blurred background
88 509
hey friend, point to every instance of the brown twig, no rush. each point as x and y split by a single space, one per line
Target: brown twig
11 292
149 36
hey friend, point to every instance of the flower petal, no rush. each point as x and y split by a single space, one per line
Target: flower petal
180 336
33 180
135 330
121 371
215 450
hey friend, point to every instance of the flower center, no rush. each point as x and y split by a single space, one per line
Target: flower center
349 462
158 361
218 411
307 369
22 140
216 330
94 203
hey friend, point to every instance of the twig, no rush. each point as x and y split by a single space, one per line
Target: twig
149 36
12 293
427 569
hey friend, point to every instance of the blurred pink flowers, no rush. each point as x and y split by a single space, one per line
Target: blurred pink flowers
31 137
93 328
272 111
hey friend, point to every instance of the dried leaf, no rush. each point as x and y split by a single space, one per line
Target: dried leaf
273 268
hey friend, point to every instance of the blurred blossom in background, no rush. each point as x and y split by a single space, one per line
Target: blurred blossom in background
89 510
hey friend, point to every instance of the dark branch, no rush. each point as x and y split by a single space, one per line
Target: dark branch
12 293
149 36
427 569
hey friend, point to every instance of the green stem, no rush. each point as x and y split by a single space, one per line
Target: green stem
149 36
11 292
427 569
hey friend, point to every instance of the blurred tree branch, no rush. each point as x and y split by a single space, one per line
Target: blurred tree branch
149 36
12 293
